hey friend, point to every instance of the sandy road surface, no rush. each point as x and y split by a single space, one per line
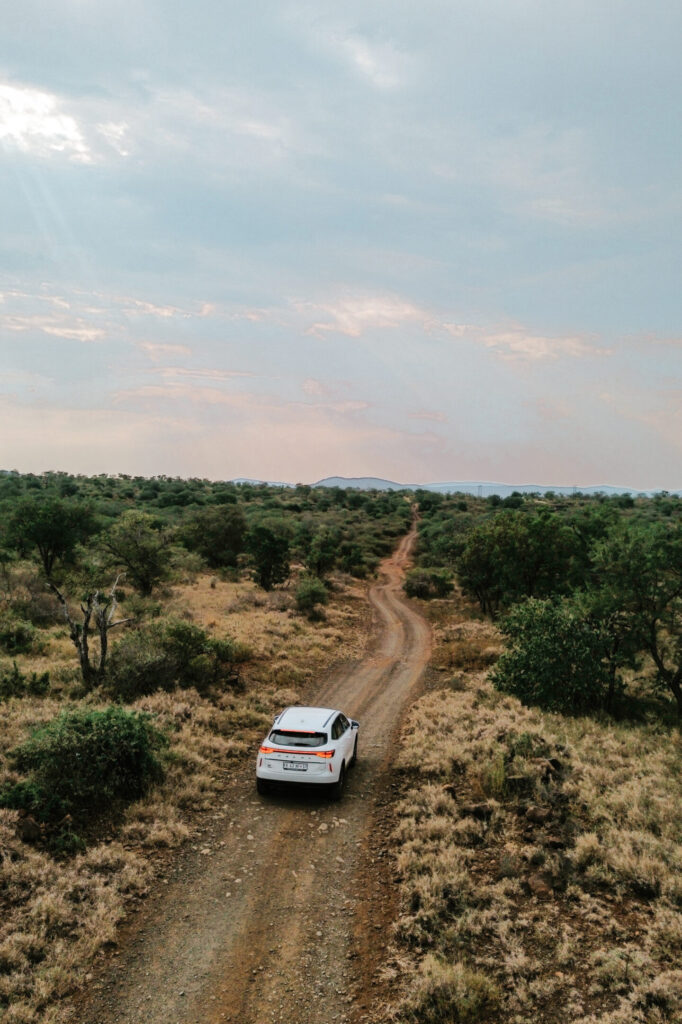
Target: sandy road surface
281 914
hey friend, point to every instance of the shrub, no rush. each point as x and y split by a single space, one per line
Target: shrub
353 559
427 583
16 635
139 665
555 658
310 593
15 683
84 761
165 655
453 993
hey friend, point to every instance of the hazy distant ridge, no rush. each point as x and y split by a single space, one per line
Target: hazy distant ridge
482 488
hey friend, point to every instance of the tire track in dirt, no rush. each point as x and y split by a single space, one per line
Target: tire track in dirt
275 919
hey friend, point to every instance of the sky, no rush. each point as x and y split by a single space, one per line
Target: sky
288 240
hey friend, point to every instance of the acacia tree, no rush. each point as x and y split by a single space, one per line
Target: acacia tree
98 611
52 527
140 544
216 533
515 555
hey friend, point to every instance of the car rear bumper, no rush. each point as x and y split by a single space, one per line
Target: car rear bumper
314 775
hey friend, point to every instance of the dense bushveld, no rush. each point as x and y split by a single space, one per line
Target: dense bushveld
587 591
149 629
540 827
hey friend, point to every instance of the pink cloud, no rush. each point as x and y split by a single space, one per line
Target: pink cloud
427 414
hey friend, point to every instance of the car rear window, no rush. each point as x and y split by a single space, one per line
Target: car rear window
294 738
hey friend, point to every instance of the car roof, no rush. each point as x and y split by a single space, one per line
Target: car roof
315 719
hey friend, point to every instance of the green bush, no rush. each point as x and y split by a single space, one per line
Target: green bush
165 655
427 583
310 593
84 762
16 635
555 658
15 683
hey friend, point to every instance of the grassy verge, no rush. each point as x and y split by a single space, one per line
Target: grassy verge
57 914
540 859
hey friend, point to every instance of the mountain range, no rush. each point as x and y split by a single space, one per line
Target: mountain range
480 488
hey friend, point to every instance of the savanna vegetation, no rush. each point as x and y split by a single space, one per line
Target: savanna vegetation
539 833
587 590
149 629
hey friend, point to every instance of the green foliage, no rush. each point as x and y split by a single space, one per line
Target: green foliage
15 683
268 544
16 635
427 583
639 572
322 552
51 526
515 555
169 654
139 544
83 762
355 560
217 533
429 500
554 659
310 593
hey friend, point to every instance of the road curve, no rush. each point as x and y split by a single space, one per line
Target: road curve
282 917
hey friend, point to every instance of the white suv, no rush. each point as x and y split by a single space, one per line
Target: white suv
310 745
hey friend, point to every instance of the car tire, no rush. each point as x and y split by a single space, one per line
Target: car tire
355 753
262 786
336 788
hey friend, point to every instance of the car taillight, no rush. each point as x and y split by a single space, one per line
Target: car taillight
300 752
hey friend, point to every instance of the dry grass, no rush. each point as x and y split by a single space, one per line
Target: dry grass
56 915
540 863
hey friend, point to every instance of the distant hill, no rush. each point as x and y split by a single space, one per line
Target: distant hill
480 488
476 487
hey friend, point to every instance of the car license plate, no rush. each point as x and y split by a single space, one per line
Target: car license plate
294 766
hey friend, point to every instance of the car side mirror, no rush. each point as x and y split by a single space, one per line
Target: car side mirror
354 724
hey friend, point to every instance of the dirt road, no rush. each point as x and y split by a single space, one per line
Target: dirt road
282 913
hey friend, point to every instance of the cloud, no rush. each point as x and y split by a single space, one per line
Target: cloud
160 351
179 392
75 329
354 316
115 133
35 122
91 316
520 344
215 376
314 387
380 64
150 309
